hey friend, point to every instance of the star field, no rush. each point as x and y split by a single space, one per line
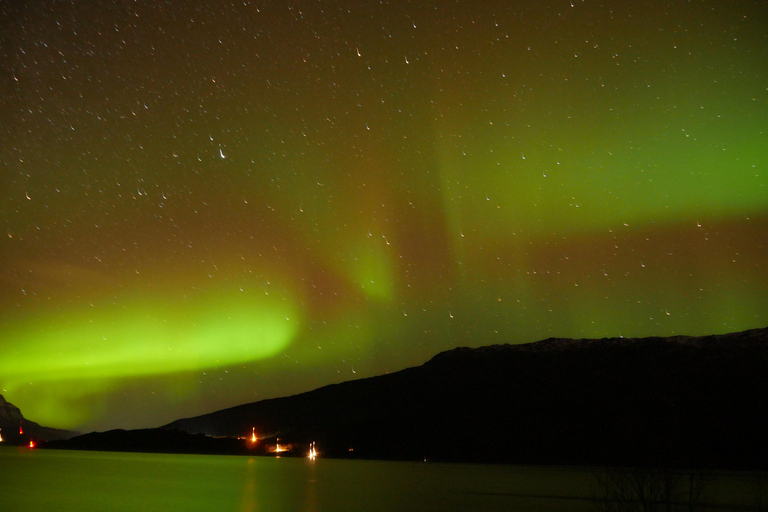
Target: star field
206 205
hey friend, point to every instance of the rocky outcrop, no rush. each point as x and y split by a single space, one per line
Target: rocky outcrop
15 429
9 413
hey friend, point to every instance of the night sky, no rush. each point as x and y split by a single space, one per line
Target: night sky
204 204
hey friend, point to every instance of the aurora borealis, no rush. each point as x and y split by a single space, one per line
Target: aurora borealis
205 205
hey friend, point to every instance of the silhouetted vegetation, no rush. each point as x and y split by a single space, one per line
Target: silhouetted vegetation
650 490
759 490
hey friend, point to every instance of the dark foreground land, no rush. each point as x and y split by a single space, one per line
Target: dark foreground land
154 440
687 402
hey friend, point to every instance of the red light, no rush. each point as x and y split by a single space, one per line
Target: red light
31 444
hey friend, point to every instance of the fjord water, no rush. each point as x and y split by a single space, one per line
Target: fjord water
54 480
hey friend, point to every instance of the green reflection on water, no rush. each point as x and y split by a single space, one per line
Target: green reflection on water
52 480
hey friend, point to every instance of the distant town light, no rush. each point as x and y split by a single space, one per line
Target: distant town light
278 448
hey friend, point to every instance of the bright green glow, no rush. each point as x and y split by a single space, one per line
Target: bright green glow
62 403
372 272
662 177
107 343
136 339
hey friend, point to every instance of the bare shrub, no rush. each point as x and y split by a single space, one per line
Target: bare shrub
649 490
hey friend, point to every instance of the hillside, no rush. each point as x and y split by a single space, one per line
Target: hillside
153 440
11 419
683 401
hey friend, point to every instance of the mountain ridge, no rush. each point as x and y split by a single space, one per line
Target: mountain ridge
682 400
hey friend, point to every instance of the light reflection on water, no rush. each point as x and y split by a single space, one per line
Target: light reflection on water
51 480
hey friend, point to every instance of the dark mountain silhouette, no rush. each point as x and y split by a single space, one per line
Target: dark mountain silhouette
153 440
687 402
11 420
682 401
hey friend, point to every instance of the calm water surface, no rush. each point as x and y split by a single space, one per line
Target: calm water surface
54 480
